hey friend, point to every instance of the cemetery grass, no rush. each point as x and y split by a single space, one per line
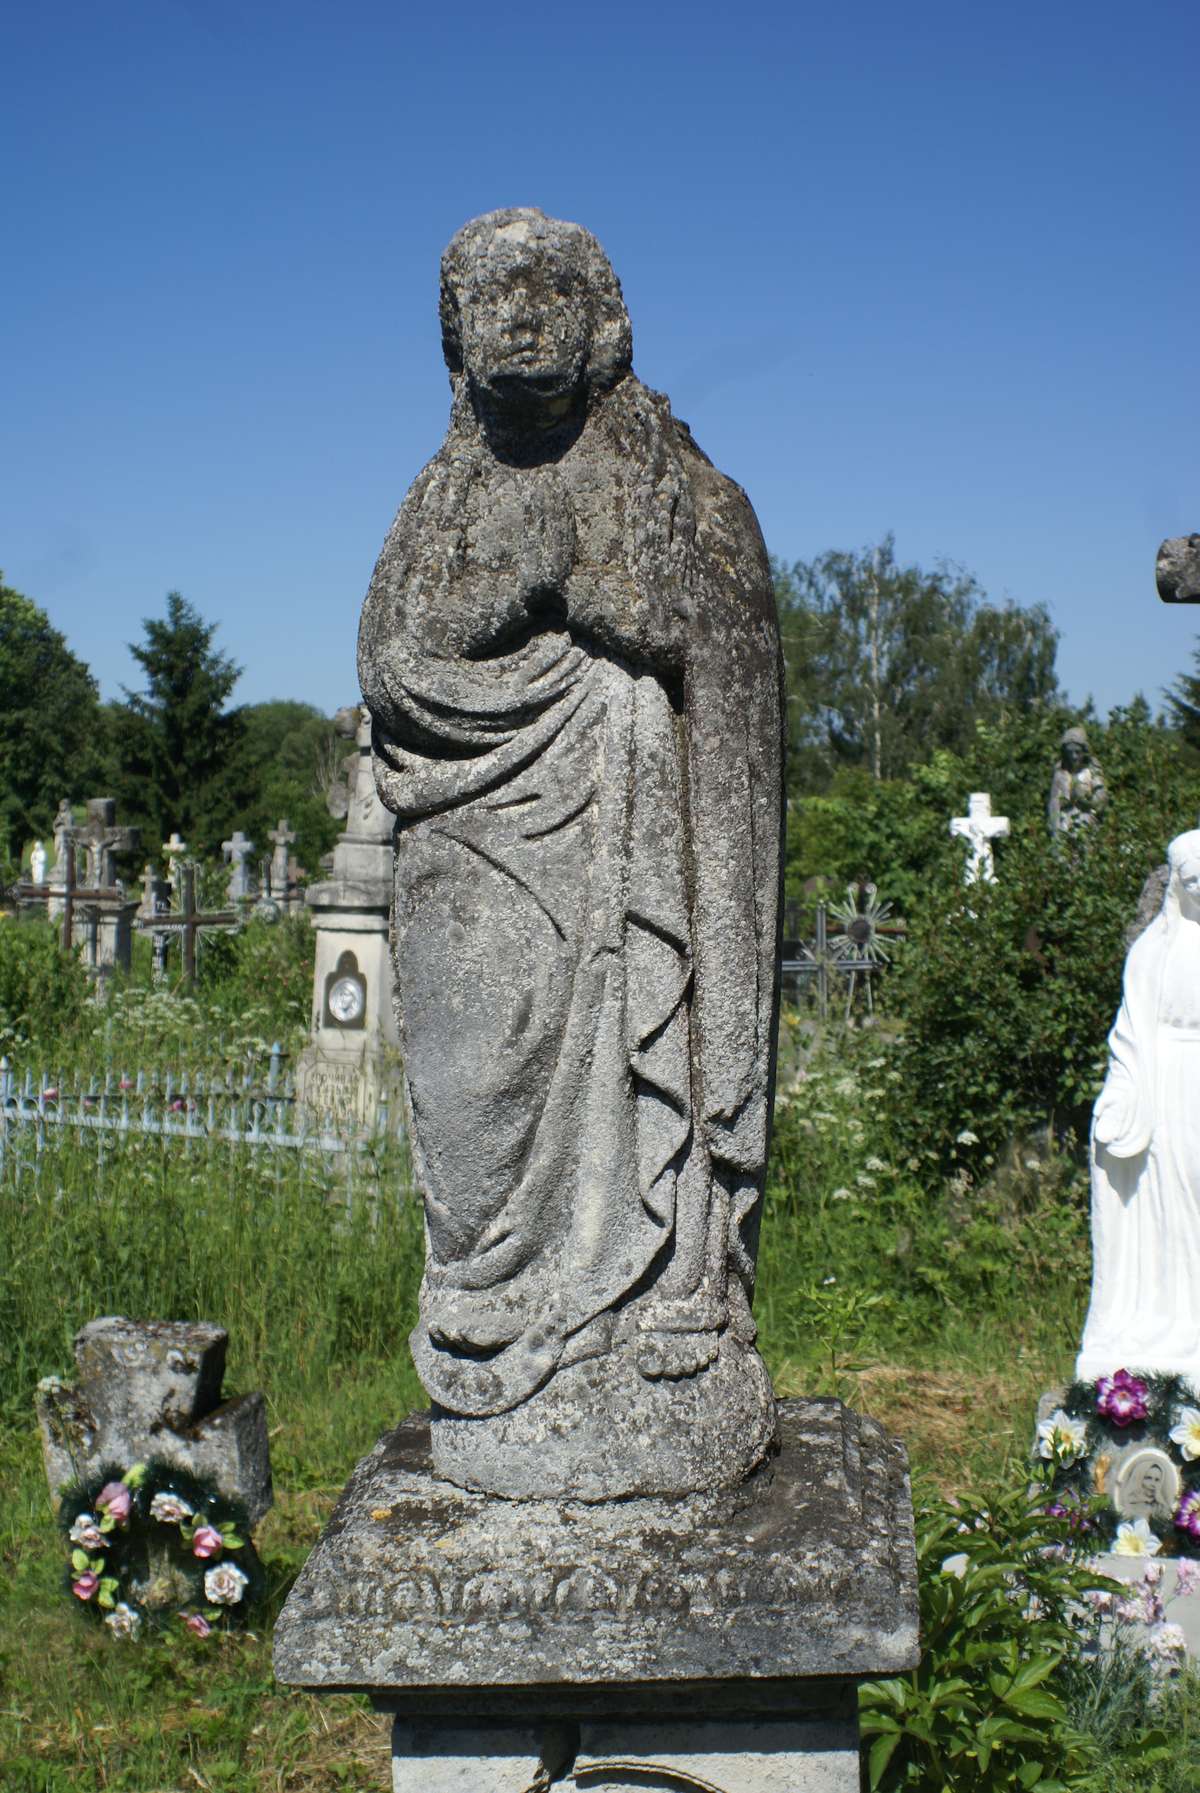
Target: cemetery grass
942 1307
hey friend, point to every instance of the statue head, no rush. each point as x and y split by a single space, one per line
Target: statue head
1075 750
531 311
1183 857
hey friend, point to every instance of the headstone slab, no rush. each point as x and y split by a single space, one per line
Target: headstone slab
421 1592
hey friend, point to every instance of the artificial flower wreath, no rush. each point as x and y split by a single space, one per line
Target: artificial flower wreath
152 1545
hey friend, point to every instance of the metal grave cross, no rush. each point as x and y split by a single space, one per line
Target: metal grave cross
979 828
84 898
188 922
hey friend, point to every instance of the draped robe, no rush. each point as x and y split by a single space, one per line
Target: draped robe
587 860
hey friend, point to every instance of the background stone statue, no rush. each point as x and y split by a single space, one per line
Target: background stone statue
571 657
1077 790
1145 1311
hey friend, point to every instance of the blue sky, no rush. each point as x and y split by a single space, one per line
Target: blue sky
929 268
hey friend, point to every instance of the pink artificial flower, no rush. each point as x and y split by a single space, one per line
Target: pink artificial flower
196 1621
1121 1398
85 1586
206 1541
115 1499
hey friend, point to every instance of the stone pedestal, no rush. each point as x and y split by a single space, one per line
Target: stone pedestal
352 1057
640 1642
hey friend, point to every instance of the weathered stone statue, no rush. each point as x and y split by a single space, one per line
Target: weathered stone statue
1078 794
571 657
1144 1312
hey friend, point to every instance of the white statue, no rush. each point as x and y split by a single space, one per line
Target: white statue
1145 1307
37 863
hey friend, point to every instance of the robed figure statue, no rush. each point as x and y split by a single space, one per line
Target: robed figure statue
1145 1307
571 657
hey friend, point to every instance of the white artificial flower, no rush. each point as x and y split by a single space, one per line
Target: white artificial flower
955 1565
87 1532
124 1621
1186 1433
169 1509
225 1584
1062 1439
1134 1538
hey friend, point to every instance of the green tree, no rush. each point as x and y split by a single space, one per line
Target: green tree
49 710
887 663
285 746
176 747
1183 703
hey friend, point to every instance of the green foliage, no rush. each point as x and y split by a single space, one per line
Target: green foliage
866 1248
49 710
1183 703
1006 993
998 1578
887 663
175 746
287 750
44 991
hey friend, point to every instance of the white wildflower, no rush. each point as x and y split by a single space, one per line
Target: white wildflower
967 1138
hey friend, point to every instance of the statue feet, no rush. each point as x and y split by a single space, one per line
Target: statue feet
662 1413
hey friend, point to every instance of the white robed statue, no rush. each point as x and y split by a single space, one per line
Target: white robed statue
1145 1306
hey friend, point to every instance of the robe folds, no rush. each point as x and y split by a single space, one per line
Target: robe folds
1145 1306
585 766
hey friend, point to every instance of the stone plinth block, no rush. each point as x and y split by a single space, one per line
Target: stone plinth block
728 1755
442 1601
148 1389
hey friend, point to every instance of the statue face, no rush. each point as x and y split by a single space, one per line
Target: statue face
526 325
1189 873
1074 756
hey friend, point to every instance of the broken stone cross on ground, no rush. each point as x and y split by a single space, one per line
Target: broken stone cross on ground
152 1389
979 828
237 851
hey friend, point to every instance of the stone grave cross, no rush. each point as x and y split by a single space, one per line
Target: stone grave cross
174 851
979 828
281 839
102 838
237 851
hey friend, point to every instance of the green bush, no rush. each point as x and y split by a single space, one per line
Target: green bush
43 990
1001 1583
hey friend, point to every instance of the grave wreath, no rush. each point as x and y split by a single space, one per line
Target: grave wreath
1123 1457
152 1546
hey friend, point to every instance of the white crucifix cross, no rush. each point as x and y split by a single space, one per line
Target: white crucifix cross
237 851
979 828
